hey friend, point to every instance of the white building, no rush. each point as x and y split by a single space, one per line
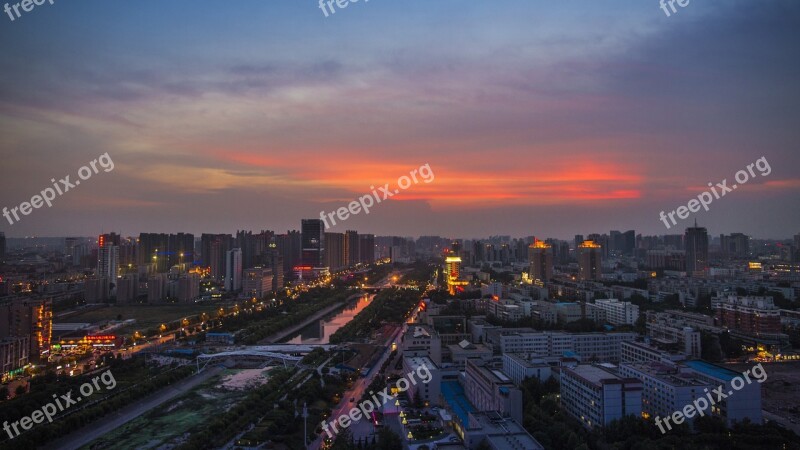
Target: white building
422 340
595 395
518 368
617 312
599 346
233 270
427 392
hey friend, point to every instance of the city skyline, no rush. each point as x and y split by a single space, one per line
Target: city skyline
267 121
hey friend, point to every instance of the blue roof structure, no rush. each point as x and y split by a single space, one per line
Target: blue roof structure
712 370
457 401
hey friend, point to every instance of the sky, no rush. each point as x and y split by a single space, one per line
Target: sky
536 117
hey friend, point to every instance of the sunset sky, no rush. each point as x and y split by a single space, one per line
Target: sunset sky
537 118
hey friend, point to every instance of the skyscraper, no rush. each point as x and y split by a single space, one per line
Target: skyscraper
366 248
351 253
696 244
540 255
335 251
233 270
735 245
590 260
313 242
2 244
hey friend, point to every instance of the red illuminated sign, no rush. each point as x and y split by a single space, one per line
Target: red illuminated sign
101 337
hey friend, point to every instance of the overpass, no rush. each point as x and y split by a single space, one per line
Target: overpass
246 355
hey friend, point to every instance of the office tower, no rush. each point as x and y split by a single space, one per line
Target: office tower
541 261
629 242
351 253
590 260
313 242
696 243
262 242
233 270
289 246
2 244
452 272
614 242
366 246
32 318
335 251
735 245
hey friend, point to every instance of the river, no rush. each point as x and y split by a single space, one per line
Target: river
319 331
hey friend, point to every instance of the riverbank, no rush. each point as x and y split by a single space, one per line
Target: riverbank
288 332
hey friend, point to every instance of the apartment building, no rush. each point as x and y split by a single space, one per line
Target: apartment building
518 368
616 312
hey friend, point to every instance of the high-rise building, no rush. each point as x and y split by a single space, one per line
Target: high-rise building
164 250
313 242
213 249
335 251
735 245
108 257
2 244
351 253
366 248
696 243
188 287
289 247
578 241
32 318
540 255
590 260
127 289
233 270
452 273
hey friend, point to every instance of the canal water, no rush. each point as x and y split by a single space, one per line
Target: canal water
319 331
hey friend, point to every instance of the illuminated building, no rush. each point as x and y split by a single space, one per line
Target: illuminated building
540 256
351 248
590 260
257 282
29 317
452 273
312 235
14 355
107 259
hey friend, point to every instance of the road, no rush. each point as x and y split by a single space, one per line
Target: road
781 420
82 436
357 390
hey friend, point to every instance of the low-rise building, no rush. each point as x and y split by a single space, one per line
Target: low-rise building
518 368
595 395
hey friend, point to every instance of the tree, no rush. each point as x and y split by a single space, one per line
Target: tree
4 393
20 390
